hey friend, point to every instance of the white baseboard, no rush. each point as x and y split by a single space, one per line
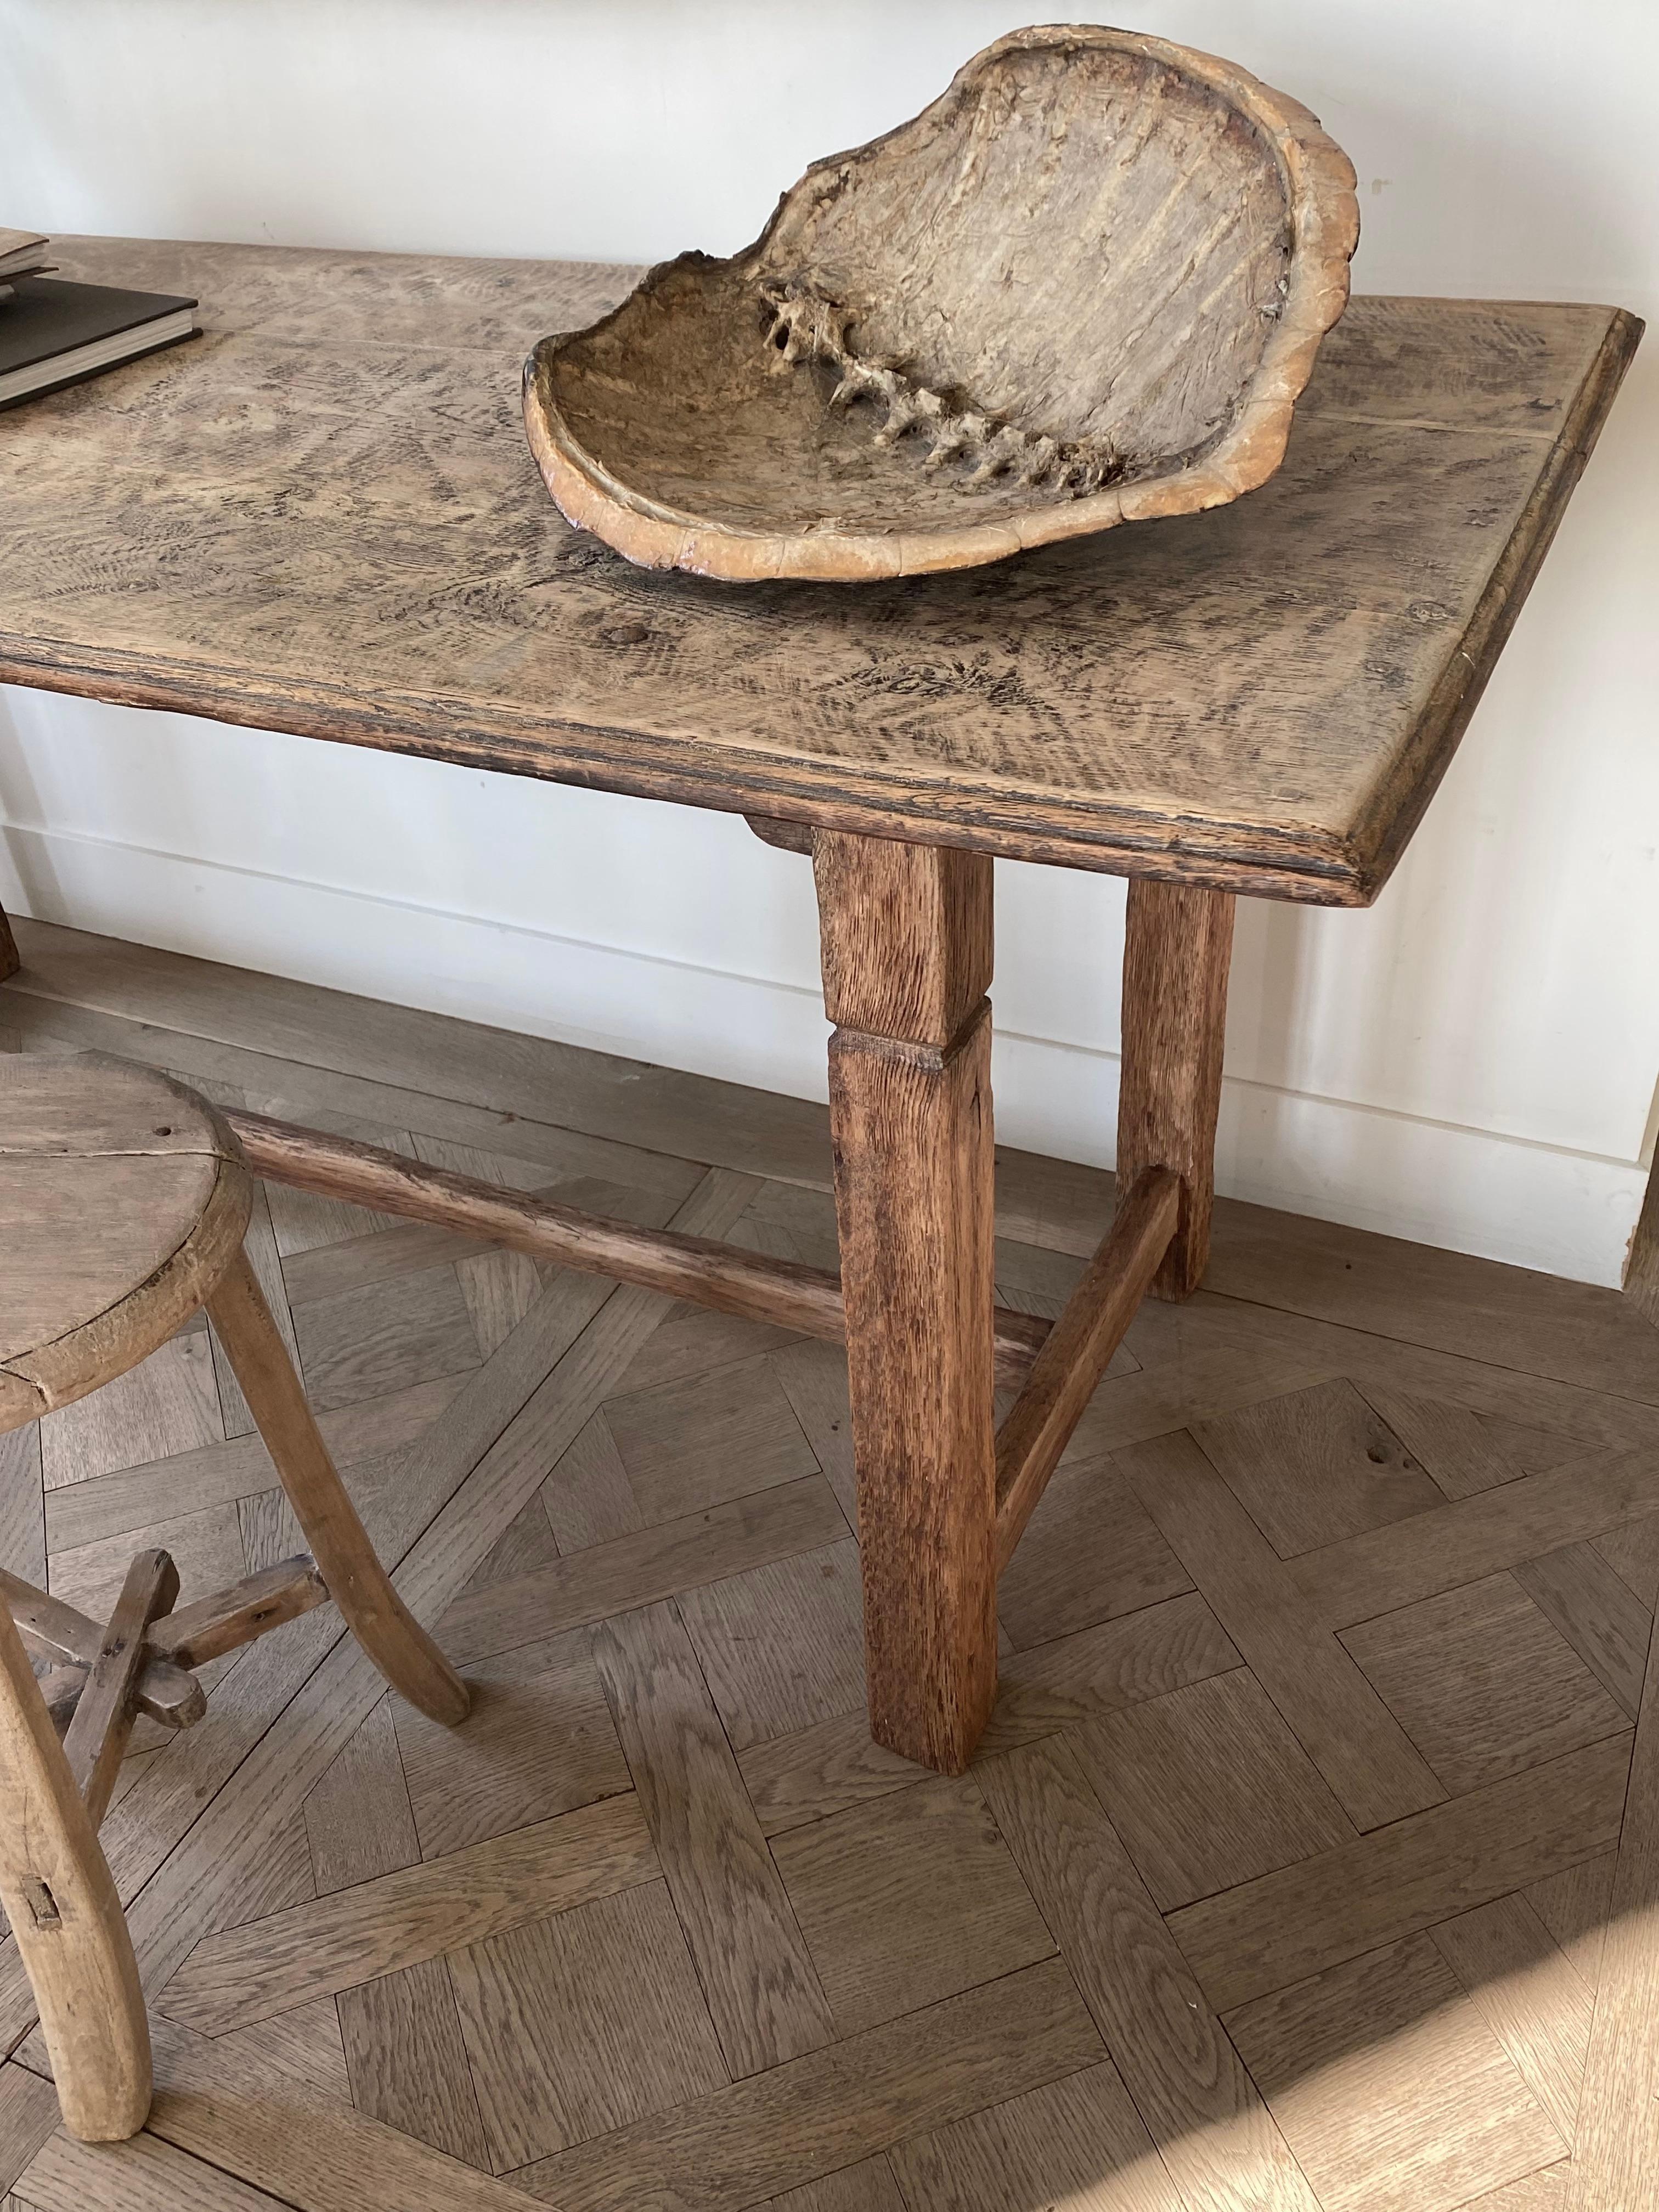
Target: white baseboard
1469 1190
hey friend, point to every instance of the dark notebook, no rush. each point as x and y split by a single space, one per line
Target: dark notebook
52 333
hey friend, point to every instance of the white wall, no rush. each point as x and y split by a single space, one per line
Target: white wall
1472 1063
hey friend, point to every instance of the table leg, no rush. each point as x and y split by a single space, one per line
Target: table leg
1178 943
906 938
9 963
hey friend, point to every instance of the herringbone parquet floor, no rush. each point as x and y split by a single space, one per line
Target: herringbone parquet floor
1280 1882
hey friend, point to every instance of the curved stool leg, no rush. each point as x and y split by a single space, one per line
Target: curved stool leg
356 1580
56 1885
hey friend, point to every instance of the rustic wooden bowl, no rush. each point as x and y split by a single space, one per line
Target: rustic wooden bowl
1084 287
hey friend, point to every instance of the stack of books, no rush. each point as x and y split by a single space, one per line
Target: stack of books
53 333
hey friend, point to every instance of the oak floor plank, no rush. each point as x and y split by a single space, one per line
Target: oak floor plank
1200 2107
224 2104
641 1568
794 1221
1446 1301
538 1741
771 2132
245 1974
782 1646
1089 1552
305 2044
392 1247
1077 2142
142 2175
869 2187
583 2021
1208 1787
1393 2091
1314 1466
1483 1683
527 1542
1633 1550
408 2064
369 1342
823 1769
168 1403
707 1438
1529 1449
1283 1927
23 1515
1484 1534
1455 1447
1032 1278
1373 1768
498 1290
282 1878
1525 1412
206 1547
586 1497
1575 1905
908 1901
1616 2154
220 1474
28 2114
1581 1592
1529 1995
814 1379
693 1341
1545 2190
358 1820
1167 1394
270 1530
762 1988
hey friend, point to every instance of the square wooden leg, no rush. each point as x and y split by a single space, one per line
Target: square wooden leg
906 934
1177 947
9 963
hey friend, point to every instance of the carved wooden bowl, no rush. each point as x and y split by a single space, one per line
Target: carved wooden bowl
1084 287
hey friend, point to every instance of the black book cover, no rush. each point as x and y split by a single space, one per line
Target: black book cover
47 316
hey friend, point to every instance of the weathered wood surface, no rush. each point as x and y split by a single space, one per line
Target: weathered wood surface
209 1626
358 1583
64 1635
1177 954
97 1738
66 1917
321 517
1084 287
907 945
122 1196
728 1276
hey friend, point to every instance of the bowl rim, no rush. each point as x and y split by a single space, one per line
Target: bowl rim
1323 207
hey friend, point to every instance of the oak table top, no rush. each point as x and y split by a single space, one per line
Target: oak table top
323 517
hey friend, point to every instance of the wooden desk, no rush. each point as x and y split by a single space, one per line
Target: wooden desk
322 518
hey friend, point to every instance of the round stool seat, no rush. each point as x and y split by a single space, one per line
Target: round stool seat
122 1198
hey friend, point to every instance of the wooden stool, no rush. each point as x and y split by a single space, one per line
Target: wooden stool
124 1203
